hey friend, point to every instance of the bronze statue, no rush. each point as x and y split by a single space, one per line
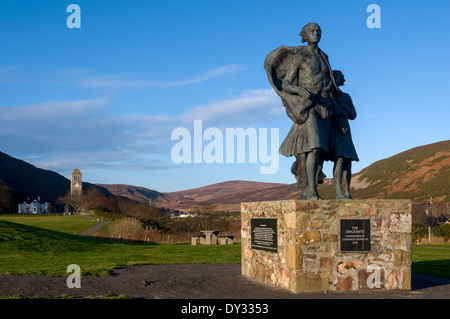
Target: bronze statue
303 78
344 151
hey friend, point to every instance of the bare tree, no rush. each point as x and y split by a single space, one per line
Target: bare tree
75 202
5 198
206 216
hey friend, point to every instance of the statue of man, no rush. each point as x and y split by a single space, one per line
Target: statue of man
302 77
344 151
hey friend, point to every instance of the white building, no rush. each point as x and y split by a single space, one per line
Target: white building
35 207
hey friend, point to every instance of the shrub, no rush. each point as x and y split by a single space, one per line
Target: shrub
126 228
418 231
442 231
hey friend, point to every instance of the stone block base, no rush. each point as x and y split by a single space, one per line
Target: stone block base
308 257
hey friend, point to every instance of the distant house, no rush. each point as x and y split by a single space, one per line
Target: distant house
35 207
184 215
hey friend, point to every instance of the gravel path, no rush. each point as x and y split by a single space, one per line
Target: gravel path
93 229
199 281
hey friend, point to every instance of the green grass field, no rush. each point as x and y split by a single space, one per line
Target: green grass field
66 224
45 245
29 250
434 260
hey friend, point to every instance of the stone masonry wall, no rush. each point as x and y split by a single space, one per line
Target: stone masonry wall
309 257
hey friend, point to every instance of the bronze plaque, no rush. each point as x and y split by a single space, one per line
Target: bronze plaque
264 234
355 234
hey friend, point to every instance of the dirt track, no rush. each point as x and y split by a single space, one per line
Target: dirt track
199 281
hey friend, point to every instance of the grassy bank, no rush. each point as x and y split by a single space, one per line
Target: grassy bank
27 250
66 224
431 260
46 246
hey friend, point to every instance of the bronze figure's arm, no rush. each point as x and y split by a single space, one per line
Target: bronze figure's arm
291 76
348 107
352 110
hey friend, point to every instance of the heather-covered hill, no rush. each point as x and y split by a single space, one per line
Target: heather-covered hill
419 174
225 195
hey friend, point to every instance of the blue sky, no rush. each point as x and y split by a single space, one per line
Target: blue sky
106 97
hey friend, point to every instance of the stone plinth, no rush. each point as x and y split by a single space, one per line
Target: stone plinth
308 256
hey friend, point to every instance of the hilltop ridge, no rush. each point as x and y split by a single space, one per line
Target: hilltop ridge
419 174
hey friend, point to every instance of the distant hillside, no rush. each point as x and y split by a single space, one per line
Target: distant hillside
229 195
418 174
136 193
25 180
226 195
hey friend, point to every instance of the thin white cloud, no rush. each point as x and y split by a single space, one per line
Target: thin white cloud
114 81
50 110
61 135
250 107
58 135
111 159
62 125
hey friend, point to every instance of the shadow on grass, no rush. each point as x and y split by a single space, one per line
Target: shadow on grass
432 273
30 231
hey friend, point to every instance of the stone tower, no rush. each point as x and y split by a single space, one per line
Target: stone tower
76 188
